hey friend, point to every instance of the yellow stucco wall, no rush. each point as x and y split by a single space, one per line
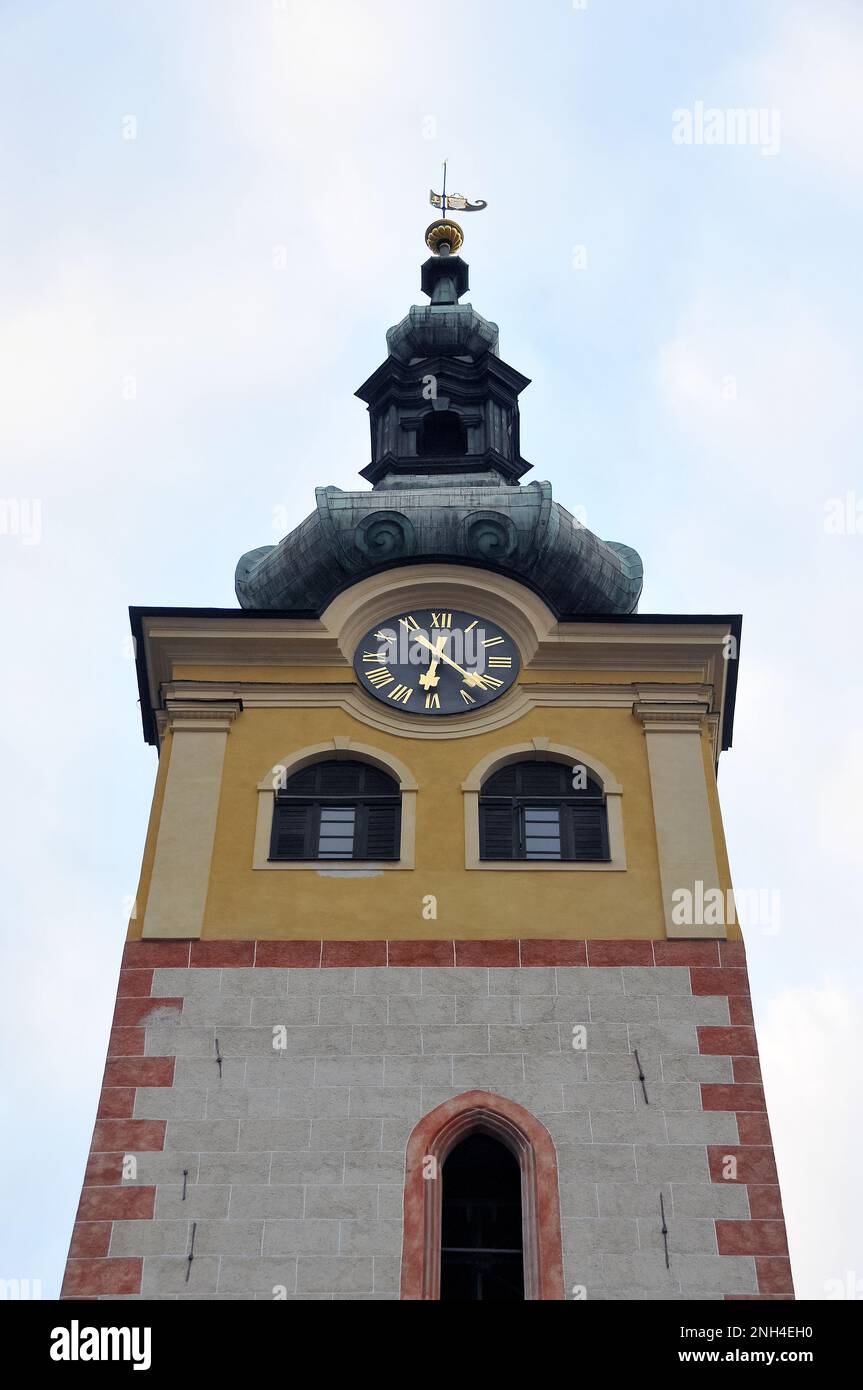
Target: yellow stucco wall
486 904
136 925
341 675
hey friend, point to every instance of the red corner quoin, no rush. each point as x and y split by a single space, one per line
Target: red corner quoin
716 968
752 1162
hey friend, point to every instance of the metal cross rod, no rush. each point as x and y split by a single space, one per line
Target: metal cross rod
191 1254
641 1075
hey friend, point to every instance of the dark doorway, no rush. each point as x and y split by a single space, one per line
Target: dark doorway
481 1242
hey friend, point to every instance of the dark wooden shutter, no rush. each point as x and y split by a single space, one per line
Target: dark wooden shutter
340 778
337 785
502 783
381 833
291 831
377 783
497 826
588 832
543 779
303 783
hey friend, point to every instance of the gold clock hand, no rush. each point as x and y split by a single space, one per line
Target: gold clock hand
470 677
430 678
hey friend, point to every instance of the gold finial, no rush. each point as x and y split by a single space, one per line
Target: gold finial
445 237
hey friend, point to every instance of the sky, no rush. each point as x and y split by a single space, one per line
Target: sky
211 213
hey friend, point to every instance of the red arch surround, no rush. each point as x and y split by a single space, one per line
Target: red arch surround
433 1137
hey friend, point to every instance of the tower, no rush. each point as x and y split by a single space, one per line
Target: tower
434 988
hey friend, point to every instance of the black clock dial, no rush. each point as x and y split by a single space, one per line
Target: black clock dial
436 661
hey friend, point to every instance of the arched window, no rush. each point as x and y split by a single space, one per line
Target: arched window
442 434
337 810
482 1259
481 1204
542 810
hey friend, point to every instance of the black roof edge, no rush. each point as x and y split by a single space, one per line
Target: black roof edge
137 614
148 718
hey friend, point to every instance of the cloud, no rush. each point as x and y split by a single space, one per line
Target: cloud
812 74
839 793
93 343
760 380
811 1041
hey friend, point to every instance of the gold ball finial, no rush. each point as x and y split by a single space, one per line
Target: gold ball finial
444 237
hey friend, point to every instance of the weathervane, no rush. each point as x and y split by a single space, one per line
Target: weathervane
444 237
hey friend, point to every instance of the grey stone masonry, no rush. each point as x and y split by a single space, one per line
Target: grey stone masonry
295 1092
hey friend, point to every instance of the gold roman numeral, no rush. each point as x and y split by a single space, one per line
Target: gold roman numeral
490 680
500 661
375 656
441 620
492 641
380 676
472 625
409 622
402 693
433 701
468 699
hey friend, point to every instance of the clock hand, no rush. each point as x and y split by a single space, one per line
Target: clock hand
430 678
470 677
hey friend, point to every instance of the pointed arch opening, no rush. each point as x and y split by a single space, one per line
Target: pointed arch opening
482 1241
447 1253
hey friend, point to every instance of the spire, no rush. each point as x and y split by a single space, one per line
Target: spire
445 238
444 405
445 471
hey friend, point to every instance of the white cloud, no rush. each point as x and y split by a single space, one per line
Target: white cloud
812 75
67 353
811 1042
840 803
759 380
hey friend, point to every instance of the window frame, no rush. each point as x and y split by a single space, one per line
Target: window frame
360 805
520 804
544 750
337 749
433 1138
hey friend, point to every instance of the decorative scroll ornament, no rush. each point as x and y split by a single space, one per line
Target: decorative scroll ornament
490 535
384 536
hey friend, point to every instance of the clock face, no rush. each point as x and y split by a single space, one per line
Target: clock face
435 662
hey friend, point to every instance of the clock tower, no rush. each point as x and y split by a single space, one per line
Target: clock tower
434 987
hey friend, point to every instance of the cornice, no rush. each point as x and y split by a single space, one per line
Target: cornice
198 715
692 649
522 700
680 714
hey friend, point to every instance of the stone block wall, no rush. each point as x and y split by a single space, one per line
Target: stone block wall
280 1168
